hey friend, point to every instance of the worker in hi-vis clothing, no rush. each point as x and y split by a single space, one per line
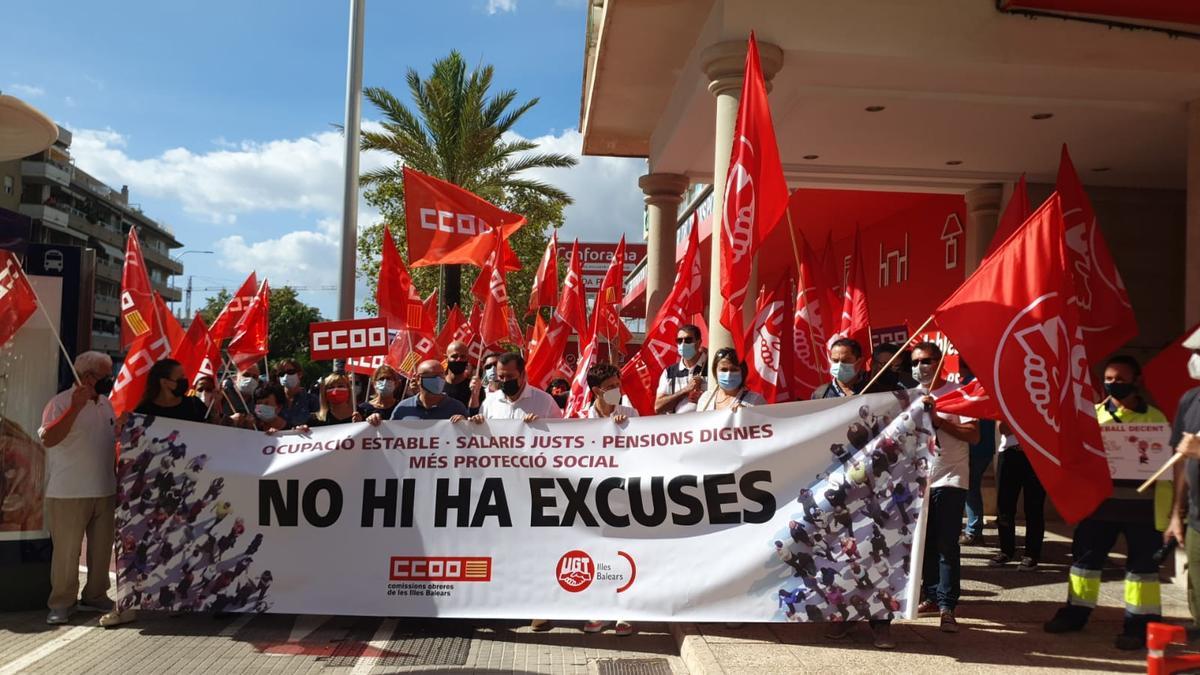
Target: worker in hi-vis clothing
1126 512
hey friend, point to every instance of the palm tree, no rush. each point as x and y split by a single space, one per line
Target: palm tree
458 134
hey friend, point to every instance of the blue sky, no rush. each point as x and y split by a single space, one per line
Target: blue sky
218 114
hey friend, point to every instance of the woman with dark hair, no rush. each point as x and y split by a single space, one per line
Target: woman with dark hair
301 405
731 392
166 394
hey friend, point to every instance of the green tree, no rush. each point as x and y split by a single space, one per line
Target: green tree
287 326
457 133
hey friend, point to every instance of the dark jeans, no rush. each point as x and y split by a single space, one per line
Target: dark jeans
981 458
941 571
1014 473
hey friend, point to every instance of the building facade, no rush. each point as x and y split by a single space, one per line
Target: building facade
66 205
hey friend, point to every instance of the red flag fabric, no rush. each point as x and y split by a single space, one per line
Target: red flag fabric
17 299
770 350
581 394
808 329
970 400
495 324
454 323
137 297
396 296
831 277
1105 313
170 324
569 317
855 322
249 342
545 282
606 311
536 332
448 225
639 377
197 352
430 308
756 194
408 349
1015 213
1016 321
225 323
1166 375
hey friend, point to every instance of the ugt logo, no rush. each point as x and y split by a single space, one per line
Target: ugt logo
575 571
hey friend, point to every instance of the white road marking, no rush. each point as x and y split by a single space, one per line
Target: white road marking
57 643
363 664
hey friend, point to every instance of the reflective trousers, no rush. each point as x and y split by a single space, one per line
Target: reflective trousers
1090 547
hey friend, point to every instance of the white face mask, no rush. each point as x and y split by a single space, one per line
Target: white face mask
247 385
1194 366
290 381
612 396
206 397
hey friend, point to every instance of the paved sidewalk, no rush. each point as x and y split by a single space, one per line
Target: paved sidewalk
1000 618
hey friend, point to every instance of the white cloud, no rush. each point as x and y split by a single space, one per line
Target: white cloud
608 201
69 101
26 90
298 174
495 6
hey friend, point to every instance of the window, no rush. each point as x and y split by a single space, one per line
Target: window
8 185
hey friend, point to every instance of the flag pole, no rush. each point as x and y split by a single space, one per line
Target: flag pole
50 323
899 351
1161 470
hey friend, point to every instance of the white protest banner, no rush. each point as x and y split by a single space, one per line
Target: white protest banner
799 511
1136 451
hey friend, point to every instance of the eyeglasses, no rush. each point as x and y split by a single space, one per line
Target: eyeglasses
289 371
924 362
685 340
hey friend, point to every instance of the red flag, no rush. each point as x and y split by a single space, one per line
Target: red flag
450 329
808 330
1105 313
170 324
855 322
1166 375
545 283
756 194
224 325
17 299
569 317
495 324
1015 319
430 308
1015 213
197 352
448 225
581 394
768 361
249 342
970 400
831 276
395 295
606 311
536 332
408 349
639 377
137 297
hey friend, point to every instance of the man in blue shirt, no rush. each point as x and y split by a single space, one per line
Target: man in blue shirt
429 403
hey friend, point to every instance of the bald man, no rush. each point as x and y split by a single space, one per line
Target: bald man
458 372
430 402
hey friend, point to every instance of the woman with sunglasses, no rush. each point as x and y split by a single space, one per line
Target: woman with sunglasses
383 389
336 406
731 392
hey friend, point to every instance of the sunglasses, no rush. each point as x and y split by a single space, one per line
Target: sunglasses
289 371
924 362
684 340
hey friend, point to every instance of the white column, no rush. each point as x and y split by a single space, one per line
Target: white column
725 64
983 216
663 193
1191 249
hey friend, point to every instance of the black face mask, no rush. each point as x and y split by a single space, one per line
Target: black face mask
561 400
1119 390
510 388
456 367
103 386
181 387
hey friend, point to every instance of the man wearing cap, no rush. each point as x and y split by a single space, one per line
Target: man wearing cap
1185 437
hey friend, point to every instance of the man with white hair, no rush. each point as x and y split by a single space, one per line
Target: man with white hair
79 431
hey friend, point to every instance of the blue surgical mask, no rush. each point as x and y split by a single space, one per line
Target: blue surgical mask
265 412
843 372
433 383
385 387
687 351
729 379
289 381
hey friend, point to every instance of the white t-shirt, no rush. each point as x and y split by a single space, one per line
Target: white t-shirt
620 409
952 465
746 399
531 401
82 465
668 385
1008 441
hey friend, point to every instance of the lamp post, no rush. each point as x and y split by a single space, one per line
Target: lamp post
187 307
349 240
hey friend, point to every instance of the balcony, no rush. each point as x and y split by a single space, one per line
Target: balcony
106 342
108 270
107 306
162 260
81 224
37 171
49 215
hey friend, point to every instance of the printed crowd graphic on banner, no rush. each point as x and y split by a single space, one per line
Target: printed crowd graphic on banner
811 507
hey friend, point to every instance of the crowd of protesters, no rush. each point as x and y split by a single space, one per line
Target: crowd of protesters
79 430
